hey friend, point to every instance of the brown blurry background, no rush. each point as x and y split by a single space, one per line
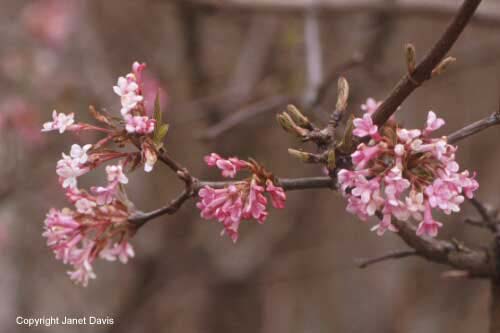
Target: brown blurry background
295 273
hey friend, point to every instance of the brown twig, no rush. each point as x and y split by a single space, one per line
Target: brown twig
476 127
477 262
424 69
248 112
288 184
363 263
269 104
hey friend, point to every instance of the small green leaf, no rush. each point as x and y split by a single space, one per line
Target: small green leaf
157 110
162 131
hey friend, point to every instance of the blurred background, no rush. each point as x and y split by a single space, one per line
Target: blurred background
225 71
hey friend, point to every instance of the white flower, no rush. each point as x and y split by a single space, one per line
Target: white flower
59 122
115 173
69 170
124 86
129 101
80 153
127 89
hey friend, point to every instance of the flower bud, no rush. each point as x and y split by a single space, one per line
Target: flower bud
301 155
411 58
289 125
342 94
443 65
297 116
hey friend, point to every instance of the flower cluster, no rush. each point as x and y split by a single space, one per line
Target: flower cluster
98 226
402 173
242 200
129 88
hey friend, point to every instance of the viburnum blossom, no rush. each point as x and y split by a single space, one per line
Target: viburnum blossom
94 230
243 200
98 225
401 173
60 122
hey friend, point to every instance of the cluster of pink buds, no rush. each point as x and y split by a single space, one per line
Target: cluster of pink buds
242 200
98 226
401 173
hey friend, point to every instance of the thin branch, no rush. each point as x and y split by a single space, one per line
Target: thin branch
266 105
363 263
477 262
269 104
489 14
479 224
476 127
424 69
288 184
488 218
481 209
140 218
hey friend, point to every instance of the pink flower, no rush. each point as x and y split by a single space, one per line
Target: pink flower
85 206
364 126
60 122
137 69
428 226
212 159
433 123
395 184
365 189
278 196
82 273
105 195
364 154
229 166
123 251
444 195
408 135
255 206
115 174
468 184
59 225
140 124
235 203
384 225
